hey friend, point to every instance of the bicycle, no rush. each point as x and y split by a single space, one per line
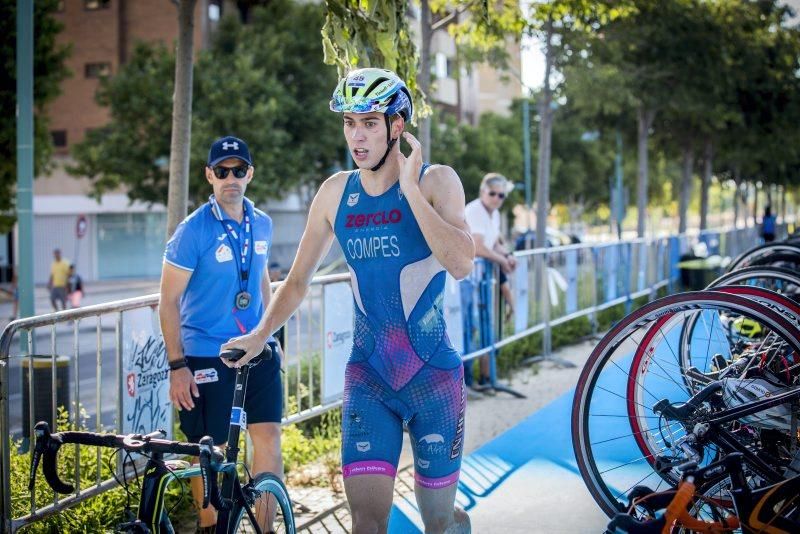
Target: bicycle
635 376
235 501
772 508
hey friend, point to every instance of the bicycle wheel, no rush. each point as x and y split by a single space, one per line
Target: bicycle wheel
618 438
778 279
270 498
768 254
702 354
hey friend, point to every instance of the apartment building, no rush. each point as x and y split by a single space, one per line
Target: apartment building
120 238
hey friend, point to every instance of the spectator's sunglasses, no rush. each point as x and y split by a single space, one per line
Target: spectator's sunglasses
498 194
238 172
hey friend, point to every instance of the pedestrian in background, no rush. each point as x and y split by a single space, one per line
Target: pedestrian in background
483 218
215 285
768 225
57 283
75 287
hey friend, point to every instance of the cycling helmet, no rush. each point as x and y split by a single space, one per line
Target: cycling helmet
746 327
374 90
739 391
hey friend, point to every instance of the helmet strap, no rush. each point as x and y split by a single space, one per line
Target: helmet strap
390 143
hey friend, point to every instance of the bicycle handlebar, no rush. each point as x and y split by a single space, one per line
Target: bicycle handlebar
234 355
47 447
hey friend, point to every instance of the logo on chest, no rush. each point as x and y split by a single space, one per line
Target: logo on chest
374 219
223 253
352 199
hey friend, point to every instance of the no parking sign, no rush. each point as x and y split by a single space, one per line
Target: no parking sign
81 225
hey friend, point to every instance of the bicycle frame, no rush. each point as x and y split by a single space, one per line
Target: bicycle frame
750 506
158 473
722 437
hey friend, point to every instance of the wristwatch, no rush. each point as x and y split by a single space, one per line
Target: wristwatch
174 365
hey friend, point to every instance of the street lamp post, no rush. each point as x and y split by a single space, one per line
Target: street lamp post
25 157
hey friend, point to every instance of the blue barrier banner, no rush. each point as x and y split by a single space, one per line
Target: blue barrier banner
571 258
611 265
674 257
642 278
521 299
711 240
452 312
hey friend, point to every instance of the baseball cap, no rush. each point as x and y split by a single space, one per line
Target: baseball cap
228 147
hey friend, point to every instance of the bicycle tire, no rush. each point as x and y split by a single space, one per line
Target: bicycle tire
648 315
789 307
758 272
267 484
762 252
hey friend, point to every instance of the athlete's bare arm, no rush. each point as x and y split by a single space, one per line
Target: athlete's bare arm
438 206
314 245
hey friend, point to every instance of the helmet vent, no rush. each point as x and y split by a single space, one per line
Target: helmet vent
375 84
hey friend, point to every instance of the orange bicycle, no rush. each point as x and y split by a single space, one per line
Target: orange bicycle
699 504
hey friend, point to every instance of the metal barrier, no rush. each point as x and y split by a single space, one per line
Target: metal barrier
565 282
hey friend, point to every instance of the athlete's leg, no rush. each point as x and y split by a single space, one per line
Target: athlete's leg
370 500
372 436
437 436
437 510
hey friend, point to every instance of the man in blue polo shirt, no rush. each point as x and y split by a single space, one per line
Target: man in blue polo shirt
215 285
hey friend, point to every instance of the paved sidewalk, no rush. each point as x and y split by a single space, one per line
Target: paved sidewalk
531 494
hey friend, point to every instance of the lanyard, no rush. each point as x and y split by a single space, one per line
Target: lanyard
242 244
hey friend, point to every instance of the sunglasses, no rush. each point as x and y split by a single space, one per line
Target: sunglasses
238 172
501 196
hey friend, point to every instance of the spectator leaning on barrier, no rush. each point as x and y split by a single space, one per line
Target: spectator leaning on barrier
57 284
215 285
401 226
483 218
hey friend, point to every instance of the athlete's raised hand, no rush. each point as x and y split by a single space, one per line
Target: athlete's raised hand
411 165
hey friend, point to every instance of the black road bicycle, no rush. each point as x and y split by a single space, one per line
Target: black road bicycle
241 507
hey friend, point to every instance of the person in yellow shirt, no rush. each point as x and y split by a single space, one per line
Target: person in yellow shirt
57 284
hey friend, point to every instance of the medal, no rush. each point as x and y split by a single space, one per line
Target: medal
242 300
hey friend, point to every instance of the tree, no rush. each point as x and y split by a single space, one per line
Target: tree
261 81
181 139
49 71
364 33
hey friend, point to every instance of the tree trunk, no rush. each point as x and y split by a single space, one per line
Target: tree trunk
783 203
180 146
424 76
645 121
545 137
708 169
686 186
736 195
755 204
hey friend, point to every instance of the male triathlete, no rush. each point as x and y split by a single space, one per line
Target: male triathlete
401 226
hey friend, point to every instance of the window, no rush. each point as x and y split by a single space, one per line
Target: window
91 5
443 66
59 138
97 70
